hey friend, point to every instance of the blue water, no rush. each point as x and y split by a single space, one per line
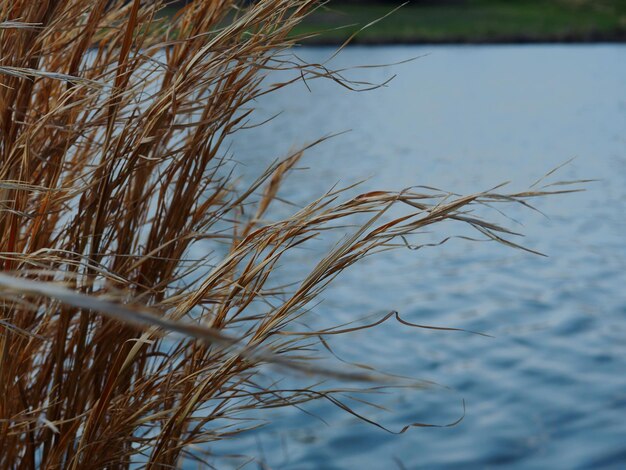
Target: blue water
549 389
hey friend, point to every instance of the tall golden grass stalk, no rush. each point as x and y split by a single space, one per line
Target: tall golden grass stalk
113 163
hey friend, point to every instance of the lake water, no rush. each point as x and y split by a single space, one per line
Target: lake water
549 389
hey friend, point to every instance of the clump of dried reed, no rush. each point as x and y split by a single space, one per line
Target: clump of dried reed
113 131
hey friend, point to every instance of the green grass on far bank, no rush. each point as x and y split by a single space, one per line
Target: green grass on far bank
471 21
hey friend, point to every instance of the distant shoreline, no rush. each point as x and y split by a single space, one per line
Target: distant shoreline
512 40
468 22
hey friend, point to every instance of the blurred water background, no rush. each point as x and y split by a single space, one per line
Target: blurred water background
549 389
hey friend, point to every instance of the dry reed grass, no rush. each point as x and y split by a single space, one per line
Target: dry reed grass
113 126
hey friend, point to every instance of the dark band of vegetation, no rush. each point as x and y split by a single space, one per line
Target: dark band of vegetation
469 21
466 21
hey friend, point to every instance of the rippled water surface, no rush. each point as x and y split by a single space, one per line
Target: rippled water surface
549 389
